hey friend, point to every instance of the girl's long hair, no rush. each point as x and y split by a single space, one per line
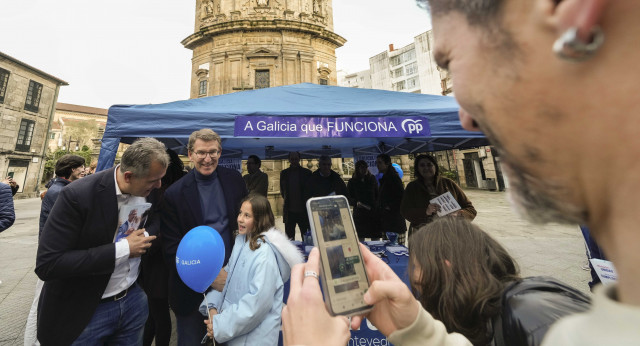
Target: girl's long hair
463 274
263 219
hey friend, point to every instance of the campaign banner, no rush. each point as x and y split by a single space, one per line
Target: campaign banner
326 127
234 163
370 159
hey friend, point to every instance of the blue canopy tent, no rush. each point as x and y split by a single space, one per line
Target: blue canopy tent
370 116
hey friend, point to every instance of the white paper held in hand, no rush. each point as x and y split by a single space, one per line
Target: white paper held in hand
605 270
447 203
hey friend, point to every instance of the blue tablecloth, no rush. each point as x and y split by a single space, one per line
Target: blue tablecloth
368 334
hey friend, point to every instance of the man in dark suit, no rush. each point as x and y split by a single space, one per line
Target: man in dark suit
257 181
207 195
292 183
90 296
325 181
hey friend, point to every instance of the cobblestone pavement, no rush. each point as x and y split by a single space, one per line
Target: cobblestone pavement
554 250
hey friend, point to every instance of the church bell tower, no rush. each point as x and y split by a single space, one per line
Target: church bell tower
252 44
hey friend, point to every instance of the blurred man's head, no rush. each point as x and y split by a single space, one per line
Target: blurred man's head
253 164
324 165
526 100
294 159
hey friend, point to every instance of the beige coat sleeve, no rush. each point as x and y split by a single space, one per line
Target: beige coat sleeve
426 331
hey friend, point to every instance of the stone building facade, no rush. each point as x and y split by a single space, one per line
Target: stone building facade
75 126
28 98
251 44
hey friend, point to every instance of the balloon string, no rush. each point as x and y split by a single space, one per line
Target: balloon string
206 302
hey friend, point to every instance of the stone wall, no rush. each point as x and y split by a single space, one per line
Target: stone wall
26 166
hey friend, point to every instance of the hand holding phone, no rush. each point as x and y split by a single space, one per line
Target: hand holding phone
343 276
394 306
305 319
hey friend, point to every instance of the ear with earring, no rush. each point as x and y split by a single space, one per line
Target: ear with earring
570 47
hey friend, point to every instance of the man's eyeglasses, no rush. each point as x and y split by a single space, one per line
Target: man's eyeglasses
203 154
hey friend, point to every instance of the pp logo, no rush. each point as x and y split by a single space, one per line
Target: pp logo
412 126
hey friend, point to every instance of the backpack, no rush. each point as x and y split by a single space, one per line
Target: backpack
529 308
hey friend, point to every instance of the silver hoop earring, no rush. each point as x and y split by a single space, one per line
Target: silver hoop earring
570 47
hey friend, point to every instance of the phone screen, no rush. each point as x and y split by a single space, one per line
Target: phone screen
345 279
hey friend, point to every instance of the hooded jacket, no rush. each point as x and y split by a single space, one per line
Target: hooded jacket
250 305
55 186
7 214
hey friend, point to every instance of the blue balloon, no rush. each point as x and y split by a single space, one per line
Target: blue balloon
199 257
398 169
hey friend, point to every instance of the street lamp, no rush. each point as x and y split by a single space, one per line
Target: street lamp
68 147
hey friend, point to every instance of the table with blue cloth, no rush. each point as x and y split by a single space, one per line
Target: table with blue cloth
397 257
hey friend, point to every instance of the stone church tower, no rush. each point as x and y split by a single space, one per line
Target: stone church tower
251 44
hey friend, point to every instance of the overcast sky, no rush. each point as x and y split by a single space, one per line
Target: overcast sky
129 52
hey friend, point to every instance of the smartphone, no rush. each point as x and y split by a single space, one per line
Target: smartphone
343 276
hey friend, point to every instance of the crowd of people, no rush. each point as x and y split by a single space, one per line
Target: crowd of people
517 67
102 273
529 74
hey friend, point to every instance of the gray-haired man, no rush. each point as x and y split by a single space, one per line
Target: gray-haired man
90 295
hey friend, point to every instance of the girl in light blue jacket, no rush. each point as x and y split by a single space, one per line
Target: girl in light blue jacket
248 310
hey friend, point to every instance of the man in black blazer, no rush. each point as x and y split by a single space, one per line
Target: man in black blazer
292 184
207 195
90 295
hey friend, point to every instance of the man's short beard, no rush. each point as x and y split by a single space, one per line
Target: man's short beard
540 200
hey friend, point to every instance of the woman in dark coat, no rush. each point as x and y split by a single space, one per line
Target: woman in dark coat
390 196
416 206
363 194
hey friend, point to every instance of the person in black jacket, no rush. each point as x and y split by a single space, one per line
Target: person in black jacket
208 195
390 199
88 276
292 183
324 181
363 194
154 276
7 213
467 280
68 168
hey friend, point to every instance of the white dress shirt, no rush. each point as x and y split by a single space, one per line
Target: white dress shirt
126 269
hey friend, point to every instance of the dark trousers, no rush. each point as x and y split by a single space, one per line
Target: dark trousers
191 328
294 219
158 324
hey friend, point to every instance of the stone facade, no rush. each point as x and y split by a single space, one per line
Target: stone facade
250 44
27 101
65 131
